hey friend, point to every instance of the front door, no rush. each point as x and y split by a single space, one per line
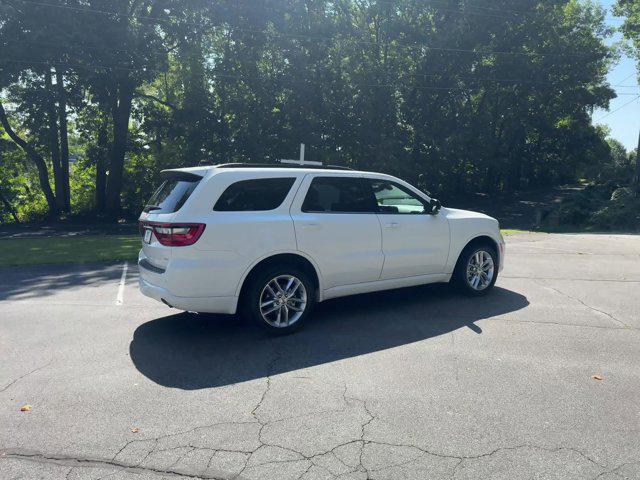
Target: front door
336 225
413 241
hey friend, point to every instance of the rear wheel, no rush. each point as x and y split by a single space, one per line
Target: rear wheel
280 299
477 270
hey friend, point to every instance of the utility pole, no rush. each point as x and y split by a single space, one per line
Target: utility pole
637 179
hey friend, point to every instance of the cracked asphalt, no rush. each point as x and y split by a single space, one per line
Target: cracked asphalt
419 383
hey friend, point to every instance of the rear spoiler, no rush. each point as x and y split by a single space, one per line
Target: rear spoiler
181 175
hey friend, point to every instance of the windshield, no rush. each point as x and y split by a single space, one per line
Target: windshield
170 196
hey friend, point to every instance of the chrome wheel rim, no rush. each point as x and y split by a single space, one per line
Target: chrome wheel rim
480 270
283 300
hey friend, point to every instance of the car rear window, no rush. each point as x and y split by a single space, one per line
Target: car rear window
254 195
171 195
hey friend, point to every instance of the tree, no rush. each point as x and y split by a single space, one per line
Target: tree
35 43
116 54
34 156
452 96
630 10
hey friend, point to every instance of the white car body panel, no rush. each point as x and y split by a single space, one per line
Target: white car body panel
464 226
346 247
413 245
351 253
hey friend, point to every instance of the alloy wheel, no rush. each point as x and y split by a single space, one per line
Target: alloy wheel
480 270
282 301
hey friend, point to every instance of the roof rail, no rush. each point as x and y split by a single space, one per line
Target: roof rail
281 165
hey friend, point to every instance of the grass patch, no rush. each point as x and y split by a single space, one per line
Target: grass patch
510 231
81 249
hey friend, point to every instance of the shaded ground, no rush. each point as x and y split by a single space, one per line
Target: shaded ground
521 211
410 384
67 229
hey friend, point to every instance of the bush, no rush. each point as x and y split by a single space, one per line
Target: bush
579 207
621 213
620 194
601 207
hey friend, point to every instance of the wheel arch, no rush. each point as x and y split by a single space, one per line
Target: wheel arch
281 258
481 239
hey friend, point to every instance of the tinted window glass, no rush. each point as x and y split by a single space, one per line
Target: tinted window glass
339 194
254 195
170 196
393 198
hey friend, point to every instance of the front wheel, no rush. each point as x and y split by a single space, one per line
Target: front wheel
280 299
477 270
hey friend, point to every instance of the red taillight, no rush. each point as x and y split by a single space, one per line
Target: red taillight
175 234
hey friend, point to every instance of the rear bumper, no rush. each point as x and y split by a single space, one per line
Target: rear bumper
193 304
153 282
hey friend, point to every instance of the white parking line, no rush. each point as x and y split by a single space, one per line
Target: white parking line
119 297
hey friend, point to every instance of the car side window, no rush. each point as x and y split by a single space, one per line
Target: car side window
396 199
254 195
339 195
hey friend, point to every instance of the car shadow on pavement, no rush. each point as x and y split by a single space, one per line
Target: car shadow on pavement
190 351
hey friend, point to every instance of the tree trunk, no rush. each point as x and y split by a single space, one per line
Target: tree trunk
34 156
54 146
64 139
101 168
121 111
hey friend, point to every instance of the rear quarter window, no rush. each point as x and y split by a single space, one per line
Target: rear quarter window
254 195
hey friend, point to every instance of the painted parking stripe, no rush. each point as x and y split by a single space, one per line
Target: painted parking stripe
123 278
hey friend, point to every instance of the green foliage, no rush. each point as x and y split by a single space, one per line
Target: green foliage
450 96
18 185
143 171
615 166
82 181
601 208
577 209
630 11
622 212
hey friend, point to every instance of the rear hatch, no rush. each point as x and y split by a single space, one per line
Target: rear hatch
158 231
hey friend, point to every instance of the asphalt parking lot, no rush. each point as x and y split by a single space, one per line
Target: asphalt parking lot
539 380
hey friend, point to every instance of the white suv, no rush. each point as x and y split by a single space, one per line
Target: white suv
271 240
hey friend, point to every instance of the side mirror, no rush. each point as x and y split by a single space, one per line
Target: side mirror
435 206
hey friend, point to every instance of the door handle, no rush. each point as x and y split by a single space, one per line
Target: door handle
392 225
310 226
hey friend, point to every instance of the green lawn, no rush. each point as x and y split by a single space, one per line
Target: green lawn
509 231
97 248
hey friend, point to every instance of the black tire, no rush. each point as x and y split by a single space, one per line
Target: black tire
257 285
460 276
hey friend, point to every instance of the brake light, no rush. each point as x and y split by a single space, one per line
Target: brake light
175 234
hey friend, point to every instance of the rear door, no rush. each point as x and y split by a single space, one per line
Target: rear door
174 191
413 241
336 225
